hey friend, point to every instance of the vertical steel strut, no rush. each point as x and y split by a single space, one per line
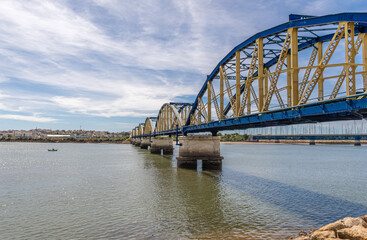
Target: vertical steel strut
246 95
274 78
303 84
324 61
343 74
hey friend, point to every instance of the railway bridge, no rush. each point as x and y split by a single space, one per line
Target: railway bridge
310 69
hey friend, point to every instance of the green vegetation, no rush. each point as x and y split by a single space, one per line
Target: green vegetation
234 137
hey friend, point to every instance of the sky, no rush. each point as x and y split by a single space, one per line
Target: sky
109 64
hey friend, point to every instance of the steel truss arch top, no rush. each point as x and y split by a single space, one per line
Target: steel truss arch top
279 47
172 115
141 129
135 132
148 125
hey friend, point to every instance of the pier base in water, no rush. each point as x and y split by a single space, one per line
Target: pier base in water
205 148
145 143
312 142
163 143
357 143
135 141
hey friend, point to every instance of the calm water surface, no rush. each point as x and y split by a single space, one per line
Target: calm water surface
95 191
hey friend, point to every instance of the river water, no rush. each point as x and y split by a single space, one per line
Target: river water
111 191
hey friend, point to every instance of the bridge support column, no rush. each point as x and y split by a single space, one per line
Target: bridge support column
205 148
137 142
145 143
357 142
312 142
164 143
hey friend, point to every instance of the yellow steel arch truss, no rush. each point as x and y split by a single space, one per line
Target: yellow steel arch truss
148 126
170 117
140 129
255 85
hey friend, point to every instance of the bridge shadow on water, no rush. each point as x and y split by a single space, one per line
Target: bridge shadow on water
317 207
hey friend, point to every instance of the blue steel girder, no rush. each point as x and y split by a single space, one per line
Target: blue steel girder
231 77
179 109
347 108
232 68
293 17
180 105
360 18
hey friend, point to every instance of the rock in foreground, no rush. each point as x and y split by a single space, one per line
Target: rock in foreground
347 228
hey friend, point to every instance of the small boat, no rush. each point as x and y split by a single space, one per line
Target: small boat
52 150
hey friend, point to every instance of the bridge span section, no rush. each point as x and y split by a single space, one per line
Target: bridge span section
310 69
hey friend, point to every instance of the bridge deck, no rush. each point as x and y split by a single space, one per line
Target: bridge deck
347 108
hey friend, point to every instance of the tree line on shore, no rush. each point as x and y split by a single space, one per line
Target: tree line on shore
69 139
233 137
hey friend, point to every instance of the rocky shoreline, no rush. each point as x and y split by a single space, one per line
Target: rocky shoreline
347 228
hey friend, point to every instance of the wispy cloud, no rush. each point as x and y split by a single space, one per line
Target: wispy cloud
33 118
52 45
111 58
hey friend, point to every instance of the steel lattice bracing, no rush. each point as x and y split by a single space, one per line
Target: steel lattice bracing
141 129
149 125
308 60
172 116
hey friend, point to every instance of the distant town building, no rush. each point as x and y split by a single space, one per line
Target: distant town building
48 133
57 136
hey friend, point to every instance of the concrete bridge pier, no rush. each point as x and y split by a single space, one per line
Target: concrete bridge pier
357 142
205 148
312 142
145 143
161 143
137 142
134 141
